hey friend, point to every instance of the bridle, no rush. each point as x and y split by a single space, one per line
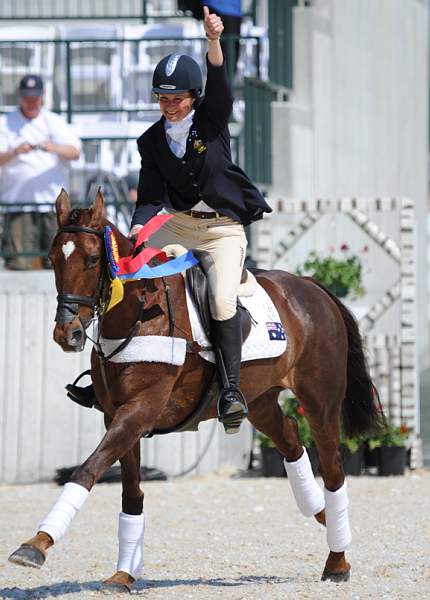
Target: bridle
68 304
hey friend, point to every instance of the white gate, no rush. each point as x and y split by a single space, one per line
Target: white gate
41 429
381 232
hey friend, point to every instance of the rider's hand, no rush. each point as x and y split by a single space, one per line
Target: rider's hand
134 232
213 25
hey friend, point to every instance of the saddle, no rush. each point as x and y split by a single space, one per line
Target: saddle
199 289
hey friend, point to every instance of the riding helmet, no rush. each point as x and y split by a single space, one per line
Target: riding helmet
177 73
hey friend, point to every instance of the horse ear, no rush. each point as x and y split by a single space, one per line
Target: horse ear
62 207
97 209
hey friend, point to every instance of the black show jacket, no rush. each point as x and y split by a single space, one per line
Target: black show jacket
206 171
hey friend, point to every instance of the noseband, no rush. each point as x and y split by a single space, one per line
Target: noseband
68 304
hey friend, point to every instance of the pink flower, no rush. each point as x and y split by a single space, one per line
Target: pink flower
344 247
366 249
332 248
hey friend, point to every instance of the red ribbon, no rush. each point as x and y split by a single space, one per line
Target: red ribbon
130 264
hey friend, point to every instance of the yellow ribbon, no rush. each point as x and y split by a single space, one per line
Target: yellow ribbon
117 293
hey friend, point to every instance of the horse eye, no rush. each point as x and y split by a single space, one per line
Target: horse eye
92 260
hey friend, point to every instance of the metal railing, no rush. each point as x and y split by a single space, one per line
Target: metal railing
86 176
105 75
142 10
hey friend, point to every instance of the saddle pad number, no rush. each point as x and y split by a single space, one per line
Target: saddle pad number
276 331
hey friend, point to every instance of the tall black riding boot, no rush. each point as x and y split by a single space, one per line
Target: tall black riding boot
232 408
83 395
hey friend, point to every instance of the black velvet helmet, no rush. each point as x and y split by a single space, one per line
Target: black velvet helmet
177 73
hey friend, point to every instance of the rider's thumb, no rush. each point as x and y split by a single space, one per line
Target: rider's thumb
205 12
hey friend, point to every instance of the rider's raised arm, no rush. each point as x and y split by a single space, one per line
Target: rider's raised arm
218 99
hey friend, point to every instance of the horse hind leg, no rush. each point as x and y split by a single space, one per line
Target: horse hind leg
131 527
324 420
266 415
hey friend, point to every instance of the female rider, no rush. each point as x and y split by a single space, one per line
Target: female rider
187 169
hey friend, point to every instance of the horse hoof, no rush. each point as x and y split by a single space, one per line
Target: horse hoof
335 577
114 588
27 556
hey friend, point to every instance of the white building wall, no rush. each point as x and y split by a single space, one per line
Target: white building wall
356 124
41 430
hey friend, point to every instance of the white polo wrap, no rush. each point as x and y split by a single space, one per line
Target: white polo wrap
131 530
337 520
308 494
59 518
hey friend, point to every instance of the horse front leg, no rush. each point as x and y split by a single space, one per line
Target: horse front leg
131 527
131 421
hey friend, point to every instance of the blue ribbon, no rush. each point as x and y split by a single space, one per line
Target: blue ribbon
171 267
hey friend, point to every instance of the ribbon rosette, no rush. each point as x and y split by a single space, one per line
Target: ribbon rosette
135 266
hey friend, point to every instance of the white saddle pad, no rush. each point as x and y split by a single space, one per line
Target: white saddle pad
267 338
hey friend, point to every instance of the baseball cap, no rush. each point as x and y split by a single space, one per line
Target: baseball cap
31 85
131 180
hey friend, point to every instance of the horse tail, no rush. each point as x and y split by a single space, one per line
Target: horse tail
361 409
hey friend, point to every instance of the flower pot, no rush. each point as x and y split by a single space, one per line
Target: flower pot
272 462
338 289
353 462
371 457
392 460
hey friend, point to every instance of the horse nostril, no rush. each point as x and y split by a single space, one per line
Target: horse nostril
77 336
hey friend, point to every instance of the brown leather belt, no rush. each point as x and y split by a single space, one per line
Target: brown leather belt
202 215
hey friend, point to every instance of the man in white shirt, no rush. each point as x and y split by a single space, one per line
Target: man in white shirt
36 146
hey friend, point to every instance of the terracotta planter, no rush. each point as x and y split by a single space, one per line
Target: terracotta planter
272 462
392 460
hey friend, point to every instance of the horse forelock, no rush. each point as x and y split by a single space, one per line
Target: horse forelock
76 215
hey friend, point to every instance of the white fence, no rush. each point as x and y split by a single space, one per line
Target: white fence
41 429
381 233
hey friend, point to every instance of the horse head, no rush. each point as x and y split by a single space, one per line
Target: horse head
78 258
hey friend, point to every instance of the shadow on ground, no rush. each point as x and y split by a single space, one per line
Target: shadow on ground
73 587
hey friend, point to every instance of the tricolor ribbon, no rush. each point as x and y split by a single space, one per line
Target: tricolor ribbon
134 267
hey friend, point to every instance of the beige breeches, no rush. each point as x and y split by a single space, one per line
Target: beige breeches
221 243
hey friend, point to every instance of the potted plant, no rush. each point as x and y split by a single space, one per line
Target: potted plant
272 460
293 408
391 446
353 454
342 276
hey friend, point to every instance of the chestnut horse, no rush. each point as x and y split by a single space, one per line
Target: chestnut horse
323 365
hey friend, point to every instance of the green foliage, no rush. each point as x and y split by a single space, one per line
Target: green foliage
352 444
391 435
340 276
291 407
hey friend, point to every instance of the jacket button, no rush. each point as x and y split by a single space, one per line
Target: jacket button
184 162
195 185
